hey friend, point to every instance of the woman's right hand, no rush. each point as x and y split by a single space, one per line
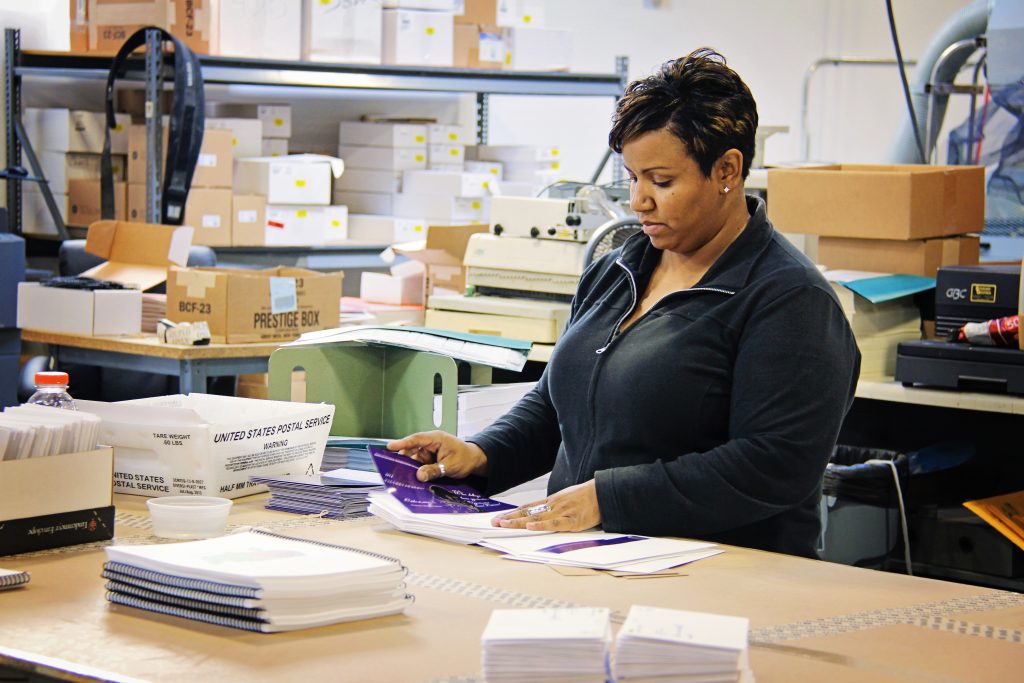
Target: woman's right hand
442 455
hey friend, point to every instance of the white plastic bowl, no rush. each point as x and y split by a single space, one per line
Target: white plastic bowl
188 517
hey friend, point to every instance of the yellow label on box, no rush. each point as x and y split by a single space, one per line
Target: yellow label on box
419 157
527 18
453 152
453 136
430 31
301 213
475 205
234 142
420 138
278 122
335 223
301 182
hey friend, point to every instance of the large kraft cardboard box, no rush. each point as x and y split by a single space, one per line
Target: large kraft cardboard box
208 210
56 501
111 22
84 205
891 202
248 220
274 304
914 257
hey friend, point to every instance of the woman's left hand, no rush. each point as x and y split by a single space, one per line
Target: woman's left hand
571 509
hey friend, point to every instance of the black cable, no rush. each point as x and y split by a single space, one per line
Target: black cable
903 79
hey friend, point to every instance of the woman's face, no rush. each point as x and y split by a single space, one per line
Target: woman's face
681 210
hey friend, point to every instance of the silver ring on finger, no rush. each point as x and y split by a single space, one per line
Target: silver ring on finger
537 510
441 468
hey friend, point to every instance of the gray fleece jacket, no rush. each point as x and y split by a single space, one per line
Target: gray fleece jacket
713 416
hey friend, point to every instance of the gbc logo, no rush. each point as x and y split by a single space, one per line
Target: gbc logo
956 294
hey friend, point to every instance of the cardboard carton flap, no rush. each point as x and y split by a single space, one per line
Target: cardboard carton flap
137 253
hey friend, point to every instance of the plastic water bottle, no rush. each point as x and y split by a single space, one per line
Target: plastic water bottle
52 390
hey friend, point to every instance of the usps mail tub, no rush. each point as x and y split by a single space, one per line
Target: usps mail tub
209 445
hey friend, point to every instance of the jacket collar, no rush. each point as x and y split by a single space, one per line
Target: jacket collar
731 270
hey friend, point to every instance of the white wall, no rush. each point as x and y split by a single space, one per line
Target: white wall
854 111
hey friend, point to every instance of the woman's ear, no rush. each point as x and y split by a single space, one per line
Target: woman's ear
728 171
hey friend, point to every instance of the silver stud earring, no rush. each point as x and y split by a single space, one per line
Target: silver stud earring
725 189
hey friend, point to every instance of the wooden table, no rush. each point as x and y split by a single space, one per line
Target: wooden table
810 620
191 364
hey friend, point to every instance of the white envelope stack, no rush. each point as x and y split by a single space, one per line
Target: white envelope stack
567 645
657 644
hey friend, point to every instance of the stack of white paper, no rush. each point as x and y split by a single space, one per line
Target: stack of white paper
657 644
602 550
566 645
479 405
467 528
31 430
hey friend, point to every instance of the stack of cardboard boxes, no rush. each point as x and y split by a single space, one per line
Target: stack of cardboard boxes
486 34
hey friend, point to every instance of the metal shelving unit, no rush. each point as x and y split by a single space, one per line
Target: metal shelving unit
352 77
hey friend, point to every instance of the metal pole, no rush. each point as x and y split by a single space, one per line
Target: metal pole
12 109
154 126
483 104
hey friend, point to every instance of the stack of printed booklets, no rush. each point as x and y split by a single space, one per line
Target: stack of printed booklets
443 508
349 452
338 494
563 645
10 578
657 644
257 581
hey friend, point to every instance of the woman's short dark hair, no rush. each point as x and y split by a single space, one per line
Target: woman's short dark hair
702 101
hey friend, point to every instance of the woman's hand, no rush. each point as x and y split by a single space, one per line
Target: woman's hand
571 509
443 455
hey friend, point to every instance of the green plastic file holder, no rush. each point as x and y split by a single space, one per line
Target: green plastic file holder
377 391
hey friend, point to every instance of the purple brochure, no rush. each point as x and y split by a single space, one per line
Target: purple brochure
444 495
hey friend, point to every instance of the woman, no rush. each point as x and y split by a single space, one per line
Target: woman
702 380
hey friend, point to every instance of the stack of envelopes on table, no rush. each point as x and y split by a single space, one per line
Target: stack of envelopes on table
555 645
603 550
338 494
657 644
257 581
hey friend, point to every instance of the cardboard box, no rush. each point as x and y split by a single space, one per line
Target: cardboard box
520 13
61 167
442 254
301 179
269 29
379 134
403 285
385 229
477 46
891 202
56 501
136 203
446 183
478 12
380 203
84 205
208 210
66 130
446 155
247 135
79 34
111 22
240 305
276 118
368 180
342 31
382 158
305 225
538 49
494 169
441 206
138 152
248 220
76 311
418 37
209 445
35 215
215 165
446 134
513 153
915 257
274 147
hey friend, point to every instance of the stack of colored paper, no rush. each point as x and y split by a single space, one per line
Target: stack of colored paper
673 645
567 645
338 494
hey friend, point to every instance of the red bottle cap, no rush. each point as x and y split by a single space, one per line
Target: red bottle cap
51 378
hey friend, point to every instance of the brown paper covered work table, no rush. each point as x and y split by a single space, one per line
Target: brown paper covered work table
810 620
190 364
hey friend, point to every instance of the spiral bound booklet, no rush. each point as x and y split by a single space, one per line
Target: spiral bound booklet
257 580
10 578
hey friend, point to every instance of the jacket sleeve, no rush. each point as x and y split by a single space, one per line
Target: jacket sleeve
793 380
523 444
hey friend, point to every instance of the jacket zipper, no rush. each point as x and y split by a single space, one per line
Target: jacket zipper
611 337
